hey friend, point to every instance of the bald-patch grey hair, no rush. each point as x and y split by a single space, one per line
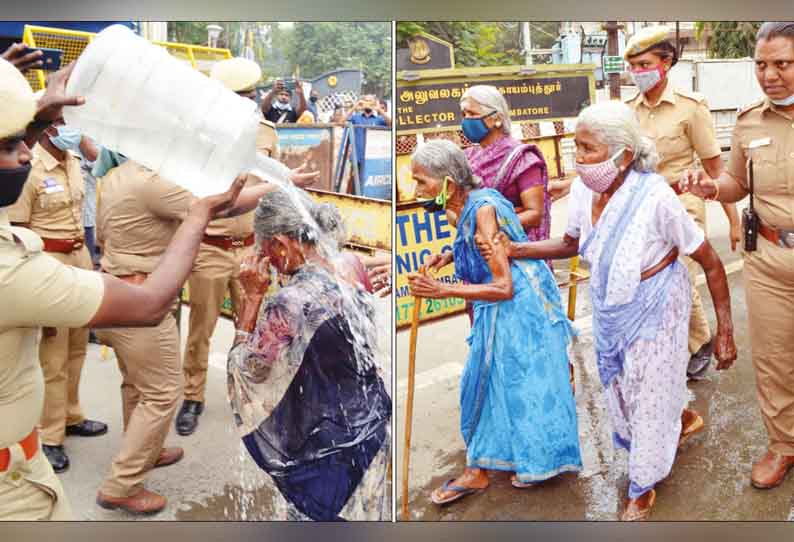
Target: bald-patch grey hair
615 124
441 158
492 100
278 214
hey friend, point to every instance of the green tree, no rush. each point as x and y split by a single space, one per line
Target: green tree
316 48
728 39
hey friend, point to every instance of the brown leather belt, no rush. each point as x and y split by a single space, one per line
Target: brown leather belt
664 262
64 246
228 243
29 444
781 238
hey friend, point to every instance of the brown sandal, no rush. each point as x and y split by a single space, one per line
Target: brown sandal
635 512
695 426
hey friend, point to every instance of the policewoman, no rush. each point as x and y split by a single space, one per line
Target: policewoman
762 162
680 124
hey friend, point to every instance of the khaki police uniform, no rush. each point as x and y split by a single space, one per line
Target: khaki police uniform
42 292
137 214
681 126
51 204
215 272
769 271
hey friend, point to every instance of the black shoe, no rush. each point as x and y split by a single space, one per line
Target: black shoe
700 361
187 419
87 428
57 457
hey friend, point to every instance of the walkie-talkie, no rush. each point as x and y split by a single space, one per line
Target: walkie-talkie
750 220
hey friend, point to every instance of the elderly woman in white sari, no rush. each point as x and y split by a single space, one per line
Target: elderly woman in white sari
628 224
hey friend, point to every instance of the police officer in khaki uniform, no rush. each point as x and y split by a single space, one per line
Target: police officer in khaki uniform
38 290
764 133
222 251
137 215
51 205
680 123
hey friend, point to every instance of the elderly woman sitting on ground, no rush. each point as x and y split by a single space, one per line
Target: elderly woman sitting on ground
628 224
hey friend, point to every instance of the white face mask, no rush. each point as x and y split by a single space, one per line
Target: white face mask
647 79
599 177
785 102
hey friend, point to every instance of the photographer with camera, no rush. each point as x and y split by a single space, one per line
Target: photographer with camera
276 106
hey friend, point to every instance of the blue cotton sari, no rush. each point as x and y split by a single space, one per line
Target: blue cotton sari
518 412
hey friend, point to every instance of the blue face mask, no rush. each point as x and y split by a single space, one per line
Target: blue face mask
785 102
475 129
67 138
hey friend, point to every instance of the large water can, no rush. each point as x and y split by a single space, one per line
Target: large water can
160 112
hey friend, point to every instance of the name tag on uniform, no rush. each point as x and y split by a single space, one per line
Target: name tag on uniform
51 187
763 142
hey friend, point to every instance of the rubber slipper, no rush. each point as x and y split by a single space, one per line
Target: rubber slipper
522 485
460 492
697 425
633 513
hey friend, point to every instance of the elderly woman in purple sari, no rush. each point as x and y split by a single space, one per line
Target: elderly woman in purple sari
629 226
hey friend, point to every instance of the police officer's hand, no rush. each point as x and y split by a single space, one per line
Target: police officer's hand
698 183
302 178
51 104
22 57
736 234
486 246
255 275
724 348
219 205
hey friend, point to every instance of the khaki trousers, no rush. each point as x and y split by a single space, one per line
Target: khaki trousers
215 271
699 330
62 358
769 287
30 490
151 388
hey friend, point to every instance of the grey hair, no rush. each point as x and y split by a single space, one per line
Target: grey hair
278 214
491 99
775 30
615 124
441 158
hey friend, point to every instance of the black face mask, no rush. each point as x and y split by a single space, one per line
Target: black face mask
431 206
313 99
11 183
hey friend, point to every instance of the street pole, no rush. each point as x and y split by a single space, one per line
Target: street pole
612 50
527 44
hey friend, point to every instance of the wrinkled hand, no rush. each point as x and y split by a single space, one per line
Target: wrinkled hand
437 261
424 286
724 348
22 57
219 205
380 278
302 178
51 104
697 183
255 275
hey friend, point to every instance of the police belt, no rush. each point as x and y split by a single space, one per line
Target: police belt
781 238
29 445
228 243
63 246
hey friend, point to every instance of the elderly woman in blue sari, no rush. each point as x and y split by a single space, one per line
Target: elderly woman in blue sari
518 412
628 224
304 378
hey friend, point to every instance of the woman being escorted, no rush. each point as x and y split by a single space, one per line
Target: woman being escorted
629 225
304 380
517 408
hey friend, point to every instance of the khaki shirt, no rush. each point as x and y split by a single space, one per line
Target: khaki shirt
680 125
51 203
242 226
42 292
137 214
773 161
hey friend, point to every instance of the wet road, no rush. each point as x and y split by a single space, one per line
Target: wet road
709 481
216 480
